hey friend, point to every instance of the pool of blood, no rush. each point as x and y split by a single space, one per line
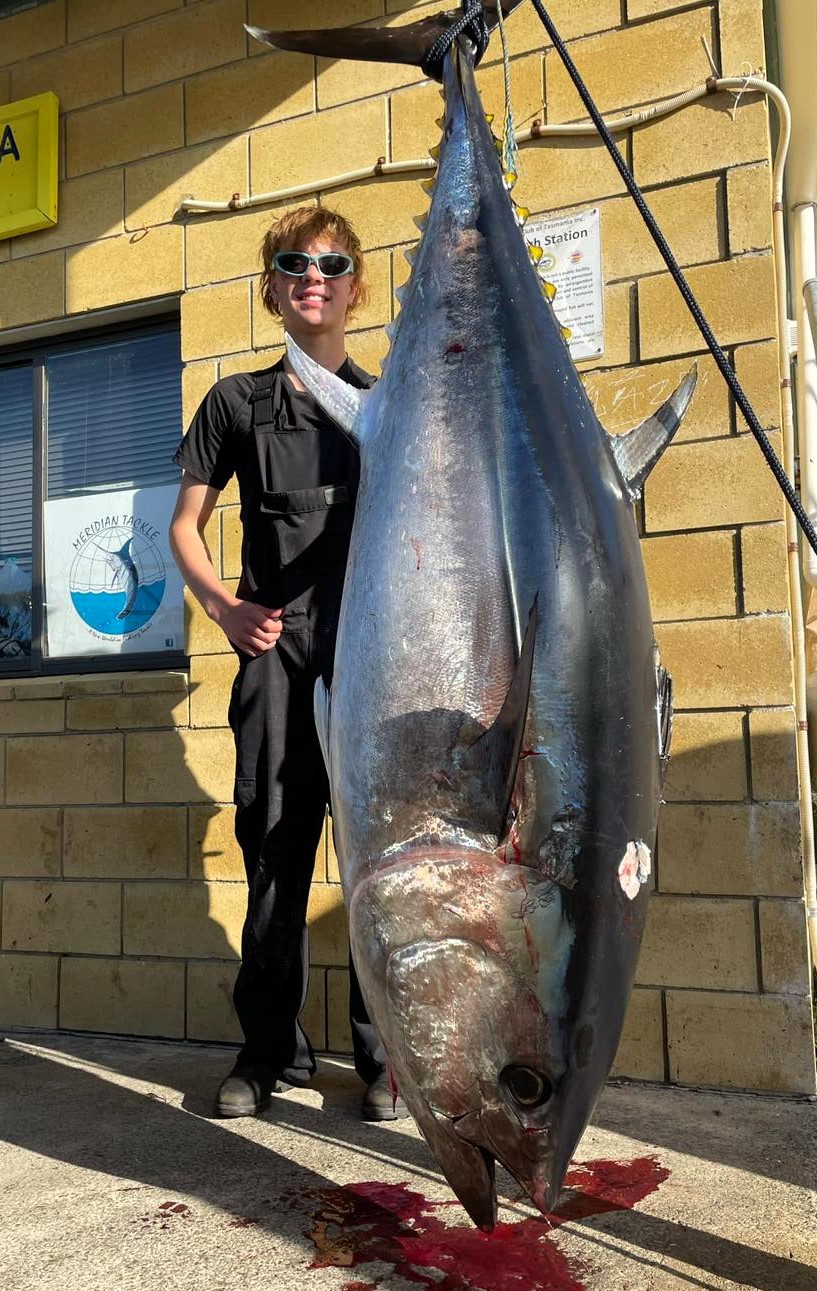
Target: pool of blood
392 1225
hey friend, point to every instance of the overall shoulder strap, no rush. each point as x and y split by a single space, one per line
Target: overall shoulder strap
263 395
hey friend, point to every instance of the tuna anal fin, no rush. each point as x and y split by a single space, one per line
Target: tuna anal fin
408 44
322 706
342 402
637 452
665 692
494 758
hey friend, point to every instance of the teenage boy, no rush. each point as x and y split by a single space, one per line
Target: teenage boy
298 476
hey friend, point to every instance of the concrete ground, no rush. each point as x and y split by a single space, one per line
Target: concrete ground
113 1177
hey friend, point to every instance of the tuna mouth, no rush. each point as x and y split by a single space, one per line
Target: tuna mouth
468 1148
470 1168
517 1131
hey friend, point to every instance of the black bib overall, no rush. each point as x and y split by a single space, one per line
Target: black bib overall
296 538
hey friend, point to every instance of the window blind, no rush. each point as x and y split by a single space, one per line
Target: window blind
113 415
16 464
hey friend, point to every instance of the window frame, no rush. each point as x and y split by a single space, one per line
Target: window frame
35 354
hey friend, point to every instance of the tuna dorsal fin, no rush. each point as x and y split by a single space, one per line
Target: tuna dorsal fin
322 707
409 44
637 452
494 758
342 402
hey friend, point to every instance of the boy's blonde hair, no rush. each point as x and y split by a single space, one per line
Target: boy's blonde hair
307 224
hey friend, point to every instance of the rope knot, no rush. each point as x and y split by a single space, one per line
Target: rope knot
471 22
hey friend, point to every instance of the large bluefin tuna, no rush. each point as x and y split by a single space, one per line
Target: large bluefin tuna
498 718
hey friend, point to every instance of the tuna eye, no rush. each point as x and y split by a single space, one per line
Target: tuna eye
527 1088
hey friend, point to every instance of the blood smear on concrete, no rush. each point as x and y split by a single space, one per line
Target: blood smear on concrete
378 1223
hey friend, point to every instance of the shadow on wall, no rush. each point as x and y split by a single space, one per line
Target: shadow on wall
723 983
142 938
722 996
139 932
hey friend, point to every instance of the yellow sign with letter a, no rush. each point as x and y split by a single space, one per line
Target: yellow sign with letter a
28 164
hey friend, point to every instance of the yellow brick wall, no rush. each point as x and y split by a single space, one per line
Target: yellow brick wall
121 887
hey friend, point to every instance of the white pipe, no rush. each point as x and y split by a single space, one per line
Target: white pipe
804 240
810 297
195 205
797 39
795 588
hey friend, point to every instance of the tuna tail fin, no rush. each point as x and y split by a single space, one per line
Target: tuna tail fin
494 758
637 452
409 44
342 402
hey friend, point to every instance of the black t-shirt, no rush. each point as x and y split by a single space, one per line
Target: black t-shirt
297 477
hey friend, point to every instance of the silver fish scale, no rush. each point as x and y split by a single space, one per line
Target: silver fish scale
491 947
457 531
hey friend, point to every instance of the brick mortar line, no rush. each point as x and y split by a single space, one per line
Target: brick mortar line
730 802
55 882
732 618
734 526
729 896
191 961
665 1038
690 265
739 574
122 28
185 999
714 990
631 23
759 947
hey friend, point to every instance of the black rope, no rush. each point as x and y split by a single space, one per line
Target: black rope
472 20
683 286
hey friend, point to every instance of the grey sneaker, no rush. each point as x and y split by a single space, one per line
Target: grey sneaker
380 1103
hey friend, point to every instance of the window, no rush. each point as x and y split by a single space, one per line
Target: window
16 6
87 433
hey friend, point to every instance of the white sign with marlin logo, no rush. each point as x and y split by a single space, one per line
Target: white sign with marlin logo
111 585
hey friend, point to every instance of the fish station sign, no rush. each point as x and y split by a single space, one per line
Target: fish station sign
29 132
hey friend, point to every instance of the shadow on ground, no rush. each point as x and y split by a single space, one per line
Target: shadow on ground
75 1108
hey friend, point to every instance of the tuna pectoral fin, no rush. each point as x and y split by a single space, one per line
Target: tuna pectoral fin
322 706
494 759
342 402
637 452
409 44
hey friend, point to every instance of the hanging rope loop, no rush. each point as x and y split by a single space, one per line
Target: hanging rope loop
472 21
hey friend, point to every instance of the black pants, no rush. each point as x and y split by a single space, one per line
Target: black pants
281 794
